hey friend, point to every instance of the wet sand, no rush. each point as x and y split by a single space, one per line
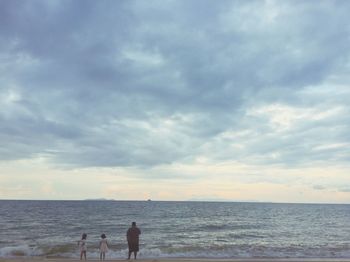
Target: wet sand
41 259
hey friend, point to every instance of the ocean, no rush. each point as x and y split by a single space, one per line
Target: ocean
176 229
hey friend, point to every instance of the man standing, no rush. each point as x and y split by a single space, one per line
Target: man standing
132 236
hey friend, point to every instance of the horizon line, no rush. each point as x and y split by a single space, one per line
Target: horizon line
190 200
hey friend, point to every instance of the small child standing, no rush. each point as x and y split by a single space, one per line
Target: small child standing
82 246
103 247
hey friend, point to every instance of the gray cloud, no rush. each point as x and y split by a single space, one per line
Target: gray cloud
126 83
319 187
344 189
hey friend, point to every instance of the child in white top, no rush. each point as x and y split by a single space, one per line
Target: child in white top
82 246
103 247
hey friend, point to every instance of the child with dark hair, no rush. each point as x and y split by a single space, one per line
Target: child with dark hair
82 246
103 247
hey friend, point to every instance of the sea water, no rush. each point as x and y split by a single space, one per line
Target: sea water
176 229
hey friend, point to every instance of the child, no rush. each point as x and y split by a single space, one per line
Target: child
103 247
82 246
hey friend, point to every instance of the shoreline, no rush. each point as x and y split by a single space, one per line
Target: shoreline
53 259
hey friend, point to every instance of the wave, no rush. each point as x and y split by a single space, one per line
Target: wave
185 251
18 251
212 227
58 250
244 236
221 227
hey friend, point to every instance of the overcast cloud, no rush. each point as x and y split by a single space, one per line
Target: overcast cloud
149 83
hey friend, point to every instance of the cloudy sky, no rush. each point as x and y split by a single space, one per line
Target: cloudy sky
175 100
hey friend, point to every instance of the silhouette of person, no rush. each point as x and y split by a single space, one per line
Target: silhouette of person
132 235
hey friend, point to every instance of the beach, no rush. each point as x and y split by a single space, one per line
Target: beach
40 259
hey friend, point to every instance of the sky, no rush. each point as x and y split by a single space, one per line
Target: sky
175 100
